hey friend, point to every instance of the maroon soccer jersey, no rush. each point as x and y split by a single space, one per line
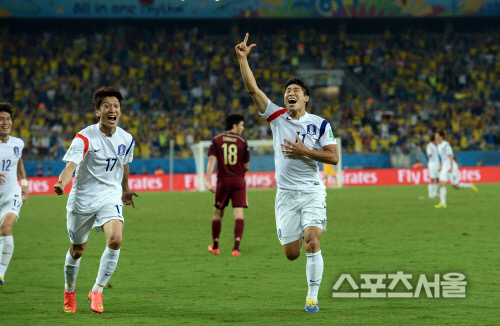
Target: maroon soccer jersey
232 152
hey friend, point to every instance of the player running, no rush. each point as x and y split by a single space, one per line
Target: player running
300 141
233 160
448 169
433 166
11 195
100 155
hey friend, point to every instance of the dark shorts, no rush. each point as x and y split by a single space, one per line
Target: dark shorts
231 188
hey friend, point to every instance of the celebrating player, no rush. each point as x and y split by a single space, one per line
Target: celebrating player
448 169
100 155
300 141
233 160
433 166
11 195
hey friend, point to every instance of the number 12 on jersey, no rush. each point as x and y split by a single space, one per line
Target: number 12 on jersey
230 153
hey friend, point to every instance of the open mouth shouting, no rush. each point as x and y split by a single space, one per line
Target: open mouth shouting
292 101
112 119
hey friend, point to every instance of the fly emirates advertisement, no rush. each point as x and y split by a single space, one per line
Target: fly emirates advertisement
263 180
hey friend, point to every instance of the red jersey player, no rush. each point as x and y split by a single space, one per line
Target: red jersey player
233 160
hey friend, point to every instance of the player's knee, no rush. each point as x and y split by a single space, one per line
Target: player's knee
312 245
76 253
115 242
5 230
292 255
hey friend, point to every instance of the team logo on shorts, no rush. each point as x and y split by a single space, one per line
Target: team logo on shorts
279 234
121 150
16 151
311 130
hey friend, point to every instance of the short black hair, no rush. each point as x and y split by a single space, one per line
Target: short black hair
104 92
442 133
6 107
433 137
299 81
233 119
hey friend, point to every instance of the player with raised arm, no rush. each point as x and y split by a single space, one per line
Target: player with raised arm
433 166
11 195
448 169
300 141
233 160
100 155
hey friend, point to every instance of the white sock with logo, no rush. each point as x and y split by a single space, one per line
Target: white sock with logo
464 185
442 194
6 251
109 260
71 267
430 189
314 272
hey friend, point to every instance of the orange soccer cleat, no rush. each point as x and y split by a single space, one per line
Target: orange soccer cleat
69 302
214 251
236 253
95 299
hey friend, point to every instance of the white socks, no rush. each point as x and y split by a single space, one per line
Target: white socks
436 187
314 272
6 251
464 185
442 194
109 260
71 268
433 189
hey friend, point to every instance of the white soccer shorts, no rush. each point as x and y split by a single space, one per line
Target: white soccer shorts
80 225
433 170
11 204
295 210
452 176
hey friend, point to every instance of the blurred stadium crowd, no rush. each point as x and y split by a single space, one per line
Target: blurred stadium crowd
180 85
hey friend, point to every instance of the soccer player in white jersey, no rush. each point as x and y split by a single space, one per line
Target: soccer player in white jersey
433 166
11 195
448 169
300 141
100 155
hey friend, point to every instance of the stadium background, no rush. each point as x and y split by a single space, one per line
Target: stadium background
165 275
384 73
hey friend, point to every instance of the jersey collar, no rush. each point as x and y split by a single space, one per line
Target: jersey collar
302 118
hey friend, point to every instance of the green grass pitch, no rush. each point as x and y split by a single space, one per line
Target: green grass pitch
166 276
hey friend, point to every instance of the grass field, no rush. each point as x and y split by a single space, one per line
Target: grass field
165 275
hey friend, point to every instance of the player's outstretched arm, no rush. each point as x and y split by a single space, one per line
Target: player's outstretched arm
21 174
65 177
127 195
258 96
210 170
329 154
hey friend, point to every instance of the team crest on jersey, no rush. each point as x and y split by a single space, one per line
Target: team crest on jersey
121 150
311 129
16 151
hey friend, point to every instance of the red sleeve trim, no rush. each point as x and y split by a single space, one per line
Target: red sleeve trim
85 141
276 114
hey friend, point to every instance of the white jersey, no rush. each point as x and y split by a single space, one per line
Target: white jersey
432 153
297 172
444 150
10 153
99 174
